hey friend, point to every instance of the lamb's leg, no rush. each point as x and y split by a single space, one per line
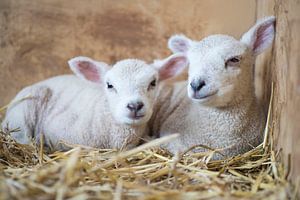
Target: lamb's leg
16 120
24 113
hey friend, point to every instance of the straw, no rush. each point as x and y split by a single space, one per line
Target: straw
145 172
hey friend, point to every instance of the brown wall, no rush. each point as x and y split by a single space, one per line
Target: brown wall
37 37
283 69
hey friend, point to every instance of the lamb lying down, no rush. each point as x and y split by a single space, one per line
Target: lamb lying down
100 107
217 107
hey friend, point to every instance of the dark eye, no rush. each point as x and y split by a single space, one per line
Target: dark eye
109 86
233 61
152 84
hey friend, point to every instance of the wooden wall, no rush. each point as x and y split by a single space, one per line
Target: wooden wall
282 67
37 37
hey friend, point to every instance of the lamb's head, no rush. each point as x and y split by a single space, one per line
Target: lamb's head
130 85
220 66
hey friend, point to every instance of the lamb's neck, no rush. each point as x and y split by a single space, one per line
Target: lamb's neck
241 110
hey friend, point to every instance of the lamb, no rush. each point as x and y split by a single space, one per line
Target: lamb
219 109
100 107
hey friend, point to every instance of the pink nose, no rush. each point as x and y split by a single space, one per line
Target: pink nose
134 107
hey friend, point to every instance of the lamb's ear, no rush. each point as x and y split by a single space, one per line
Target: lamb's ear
261 35
171 66
179 43
88 69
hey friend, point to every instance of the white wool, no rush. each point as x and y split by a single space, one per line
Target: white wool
82 109
223 113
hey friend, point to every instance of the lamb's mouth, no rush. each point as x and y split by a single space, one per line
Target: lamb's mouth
204 97
137 117
134 120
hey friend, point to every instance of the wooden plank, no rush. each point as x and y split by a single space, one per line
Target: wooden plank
284 70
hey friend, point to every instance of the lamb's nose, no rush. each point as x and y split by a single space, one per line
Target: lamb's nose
196 85
134 107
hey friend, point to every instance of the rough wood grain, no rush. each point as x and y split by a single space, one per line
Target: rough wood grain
284 70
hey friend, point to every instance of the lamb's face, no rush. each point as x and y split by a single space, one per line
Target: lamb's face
221 66
131 87
217 66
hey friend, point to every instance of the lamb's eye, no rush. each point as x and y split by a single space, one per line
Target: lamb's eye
233 61
109 86
152 84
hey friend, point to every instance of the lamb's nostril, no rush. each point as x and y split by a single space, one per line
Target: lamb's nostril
140 105
134 107
196 85
201 85
131 106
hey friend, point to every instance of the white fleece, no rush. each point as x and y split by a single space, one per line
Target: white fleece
91 108
224 113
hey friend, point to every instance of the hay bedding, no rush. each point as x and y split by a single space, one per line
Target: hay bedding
146 172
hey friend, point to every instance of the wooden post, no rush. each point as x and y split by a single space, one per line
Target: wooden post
282 67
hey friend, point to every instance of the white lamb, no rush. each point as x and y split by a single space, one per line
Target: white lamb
219 108
100 107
